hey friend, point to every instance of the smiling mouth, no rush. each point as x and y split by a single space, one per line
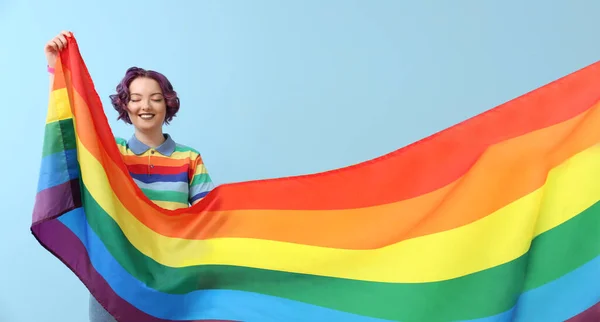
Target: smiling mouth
146 116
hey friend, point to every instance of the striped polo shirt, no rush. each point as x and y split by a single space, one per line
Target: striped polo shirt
171 175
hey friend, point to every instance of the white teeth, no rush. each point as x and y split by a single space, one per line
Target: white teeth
147 116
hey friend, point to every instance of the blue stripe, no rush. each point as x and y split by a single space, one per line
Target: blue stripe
562 298
198 196
506 316
197 305
145 178
163 186
54 169
558 300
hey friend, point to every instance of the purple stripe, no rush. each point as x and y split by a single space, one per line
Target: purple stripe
591 314
53 202
62 243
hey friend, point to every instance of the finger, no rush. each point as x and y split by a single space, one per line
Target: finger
63 40
58 45
66 33
51 45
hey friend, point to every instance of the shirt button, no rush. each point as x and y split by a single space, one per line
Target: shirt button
152 166
152 152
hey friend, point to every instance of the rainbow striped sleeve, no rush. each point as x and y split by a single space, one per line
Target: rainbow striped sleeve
200 182
494 219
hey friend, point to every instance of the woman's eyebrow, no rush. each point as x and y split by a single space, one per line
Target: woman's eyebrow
157 93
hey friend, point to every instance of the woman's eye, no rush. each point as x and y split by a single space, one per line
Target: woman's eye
157 101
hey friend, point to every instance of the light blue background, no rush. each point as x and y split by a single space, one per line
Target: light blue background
269 89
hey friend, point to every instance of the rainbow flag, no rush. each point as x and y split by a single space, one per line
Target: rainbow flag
494 219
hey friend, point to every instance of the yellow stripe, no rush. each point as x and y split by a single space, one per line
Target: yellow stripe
171 205
59 107
200 169
496 239
182 155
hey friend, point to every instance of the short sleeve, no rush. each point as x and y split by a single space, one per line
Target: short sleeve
200 181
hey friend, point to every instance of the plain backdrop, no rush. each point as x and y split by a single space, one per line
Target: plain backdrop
269 89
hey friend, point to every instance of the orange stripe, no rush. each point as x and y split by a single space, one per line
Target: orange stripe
521 163
59 78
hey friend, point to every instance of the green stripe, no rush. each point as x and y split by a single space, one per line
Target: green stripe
183 148
120 141
62 129
165 195
481 294
200 178
564 248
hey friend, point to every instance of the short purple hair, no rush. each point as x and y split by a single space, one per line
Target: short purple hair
121 98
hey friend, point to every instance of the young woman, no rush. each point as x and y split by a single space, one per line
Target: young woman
171 175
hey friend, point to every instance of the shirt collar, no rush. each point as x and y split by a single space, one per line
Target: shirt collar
166 148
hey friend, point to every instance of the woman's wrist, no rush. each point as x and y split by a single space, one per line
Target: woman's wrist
50 69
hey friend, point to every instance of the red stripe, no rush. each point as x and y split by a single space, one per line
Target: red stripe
416 169
82 83
144 168
426 165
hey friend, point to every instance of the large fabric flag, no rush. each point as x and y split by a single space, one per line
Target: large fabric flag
494 219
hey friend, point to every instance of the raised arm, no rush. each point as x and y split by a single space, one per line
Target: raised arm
52 51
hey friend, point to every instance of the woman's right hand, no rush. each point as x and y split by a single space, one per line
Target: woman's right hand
55 46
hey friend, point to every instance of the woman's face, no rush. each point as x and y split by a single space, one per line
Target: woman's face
146 107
